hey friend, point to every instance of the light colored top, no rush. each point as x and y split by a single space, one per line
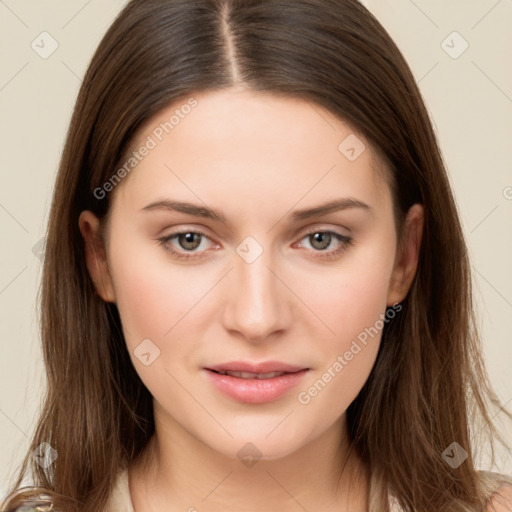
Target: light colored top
120 499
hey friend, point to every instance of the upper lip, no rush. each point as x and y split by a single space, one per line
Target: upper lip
264 367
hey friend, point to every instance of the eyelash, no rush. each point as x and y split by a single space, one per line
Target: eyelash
346 241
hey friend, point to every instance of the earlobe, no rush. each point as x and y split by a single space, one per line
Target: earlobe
406 262
96 255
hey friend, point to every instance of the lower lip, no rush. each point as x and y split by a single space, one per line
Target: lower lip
255 391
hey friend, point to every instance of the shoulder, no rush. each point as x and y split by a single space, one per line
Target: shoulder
501 500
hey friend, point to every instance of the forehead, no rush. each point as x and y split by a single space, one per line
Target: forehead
254 144
218 117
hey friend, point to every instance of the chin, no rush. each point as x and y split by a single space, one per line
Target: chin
256 447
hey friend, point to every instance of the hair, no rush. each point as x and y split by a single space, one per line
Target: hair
428 387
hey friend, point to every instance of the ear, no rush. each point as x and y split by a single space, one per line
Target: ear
96 255
406 261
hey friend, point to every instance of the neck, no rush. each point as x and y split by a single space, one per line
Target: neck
179 472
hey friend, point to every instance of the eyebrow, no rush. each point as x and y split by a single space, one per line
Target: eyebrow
210 213
330 207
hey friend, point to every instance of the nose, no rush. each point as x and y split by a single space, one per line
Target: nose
257 303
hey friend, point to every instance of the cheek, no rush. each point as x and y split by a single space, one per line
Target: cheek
353 305
352 296
154 297
158 304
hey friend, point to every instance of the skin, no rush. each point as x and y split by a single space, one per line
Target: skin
257 158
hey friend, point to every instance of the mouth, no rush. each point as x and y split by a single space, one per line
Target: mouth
248 375
255 384
263 368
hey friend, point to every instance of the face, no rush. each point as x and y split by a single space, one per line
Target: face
263 279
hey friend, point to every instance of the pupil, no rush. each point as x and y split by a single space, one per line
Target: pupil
189 240
319 237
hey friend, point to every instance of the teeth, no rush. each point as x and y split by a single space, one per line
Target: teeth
246 375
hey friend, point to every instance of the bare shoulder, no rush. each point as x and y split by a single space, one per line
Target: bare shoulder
501 500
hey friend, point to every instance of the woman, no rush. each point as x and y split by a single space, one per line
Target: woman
256 291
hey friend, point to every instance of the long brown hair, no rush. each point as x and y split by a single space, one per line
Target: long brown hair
428 388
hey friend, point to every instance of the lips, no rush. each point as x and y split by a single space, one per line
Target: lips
255 383
256 368
248 375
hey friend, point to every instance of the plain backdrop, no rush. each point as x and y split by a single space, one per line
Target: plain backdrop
460 52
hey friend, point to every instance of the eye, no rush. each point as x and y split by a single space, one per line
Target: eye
320 241
187 242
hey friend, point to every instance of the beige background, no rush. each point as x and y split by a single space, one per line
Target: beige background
469 98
